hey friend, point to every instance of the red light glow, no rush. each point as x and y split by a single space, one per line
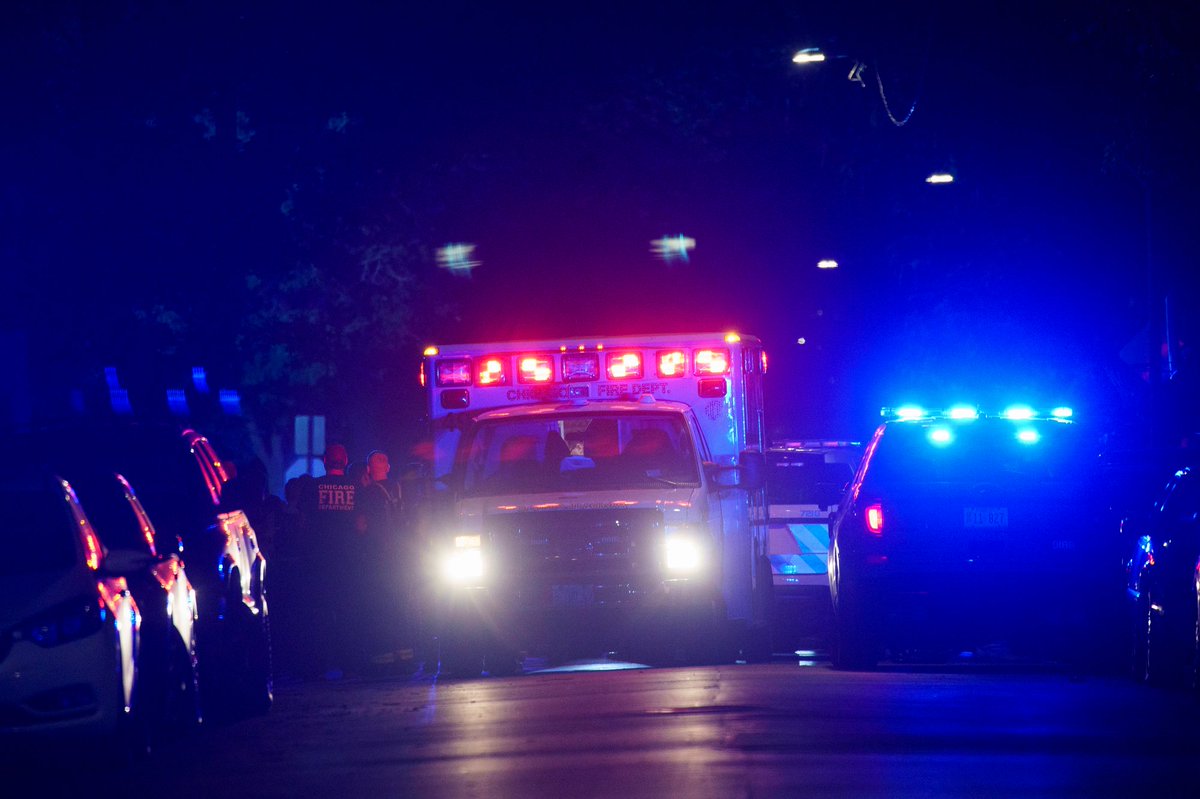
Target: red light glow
874 516
536 368
672 363
712 362
625 366
492 371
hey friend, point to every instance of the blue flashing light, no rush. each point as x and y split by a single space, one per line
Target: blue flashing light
940 436
964 412
1018 413
910 412
231 402
1062 412
119 399
1028 436
177 401
200 379
110 378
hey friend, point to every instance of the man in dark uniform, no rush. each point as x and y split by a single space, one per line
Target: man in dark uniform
331 523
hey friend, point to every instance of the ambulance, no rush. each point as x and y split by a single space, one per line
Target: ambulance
599 496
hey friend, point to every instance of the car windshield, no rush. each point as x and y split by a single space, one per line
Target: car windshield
579 451
38 533
981 451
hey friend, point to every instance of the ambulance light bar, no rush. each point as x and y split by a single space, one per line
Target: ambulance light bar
454 372
580 366
712 362
624 365
535 368
671 363
493 371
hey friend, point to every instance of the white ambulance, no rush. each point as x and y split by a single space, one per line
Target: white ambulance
601 495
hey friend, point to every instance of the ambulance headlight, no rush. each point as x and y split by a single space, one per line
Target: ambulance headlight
463 565
683 553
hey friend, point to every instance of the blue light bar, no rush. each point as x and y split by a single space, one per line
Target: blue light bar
910 412
1018 413
964 412
1062 412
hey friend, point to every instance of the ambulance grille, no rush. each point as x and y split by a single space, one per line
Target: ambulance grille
577 545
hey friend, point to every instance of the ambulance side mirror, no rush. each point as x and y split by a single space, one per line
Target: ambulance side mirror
753 467
748 475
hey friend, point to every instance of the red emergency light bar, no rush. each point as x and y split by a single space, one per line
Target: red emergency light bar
625 365
580 366
535 368
712 362
493 370
454 372
671 363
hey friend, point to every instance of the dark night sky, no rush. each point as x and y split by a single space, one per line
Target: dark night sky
562 139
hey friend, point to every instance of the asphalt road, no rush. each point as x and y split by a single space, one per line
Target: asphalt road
786 728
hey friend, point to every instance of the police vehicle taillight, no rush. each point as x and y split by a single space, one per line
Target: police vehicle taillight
580 366
874 518
492 371
535 368
671 363
454 372
624 365
712 362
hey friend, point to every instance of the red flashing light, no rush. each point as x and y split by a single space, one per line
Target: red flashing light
580 366
454 372
492 371
712 362
625 365
671 363
711 387
535 368
874 517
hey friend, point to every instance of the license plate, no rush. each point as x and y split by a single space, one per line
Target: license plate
985 517
571 596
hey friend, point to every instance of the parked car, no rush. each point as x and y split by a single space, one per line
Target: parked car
69 627
1163 584
180 481
971 532
168 676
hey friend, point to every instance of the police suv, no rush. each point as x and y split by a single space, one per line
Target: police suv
970 532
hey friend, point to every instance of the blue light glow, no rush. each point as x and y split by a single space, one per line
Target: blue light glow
964 412
940 436
1018 412
1028 436
1062 412
910 412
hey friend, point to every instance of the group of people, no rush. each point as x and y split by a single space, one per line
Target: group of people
344 570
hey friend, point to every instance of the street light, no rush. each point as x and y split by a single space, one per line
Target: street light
814 55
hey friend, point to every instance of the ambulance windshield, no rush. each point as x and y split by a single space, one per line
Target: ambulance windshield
579 452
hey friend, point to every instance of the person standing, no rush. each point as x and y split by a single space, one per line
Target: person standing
330 513
386 566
